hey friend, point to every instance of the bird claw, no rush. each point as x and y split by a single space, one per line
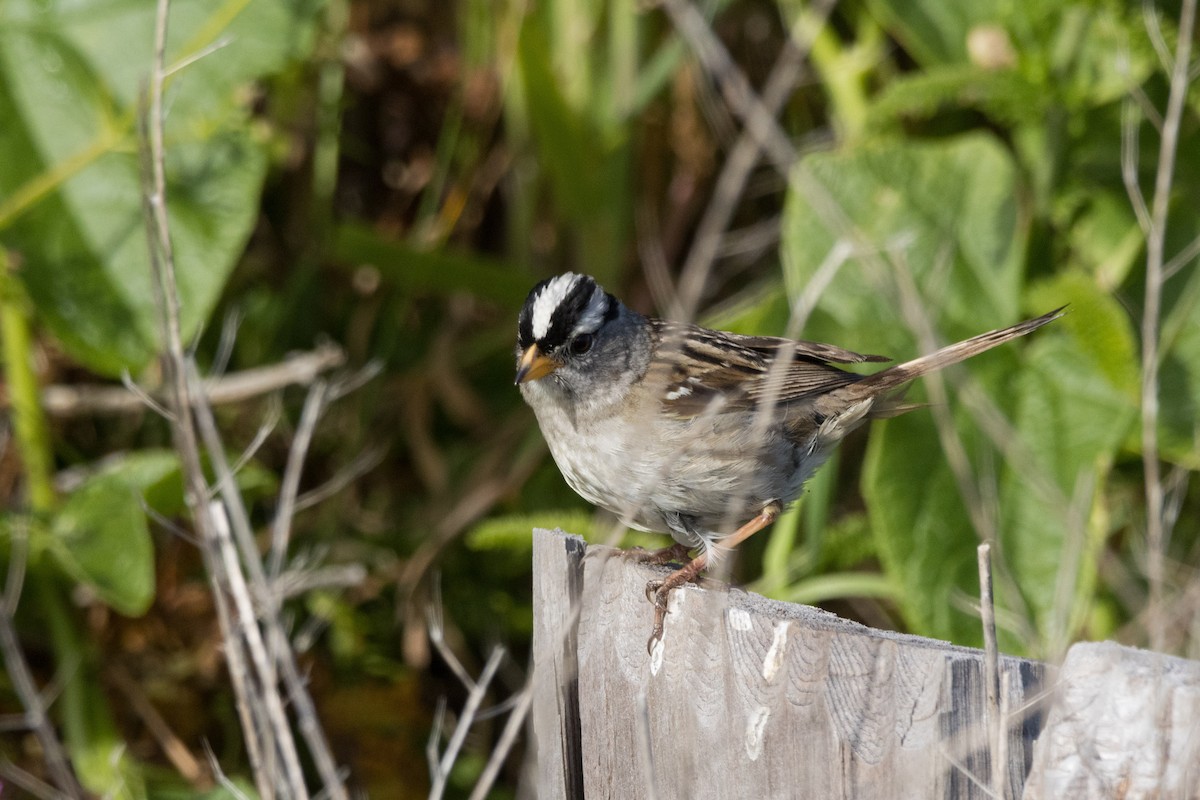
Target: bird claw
658 592
654 594
656 633
676 553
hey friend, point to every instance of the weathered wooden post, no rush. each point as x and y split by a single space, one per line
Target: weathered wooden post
751 698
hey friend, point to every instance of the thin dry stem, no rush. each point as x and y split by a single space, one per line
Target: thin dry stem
1151 316
281 654
171 745
437 634
360 465
1181 259
282 527
180 401
991 660
983 518
742 158
35 717
269 705
465 720
1000 760
265 726
713 55
297 370
21 779
229 331
1129 164
508 737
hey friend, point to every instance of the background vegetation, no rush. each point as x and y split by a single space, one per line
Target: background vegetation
391 177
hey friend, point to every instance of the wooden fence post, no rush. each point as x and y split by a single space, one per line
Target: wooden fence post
747 697
751 698
557 583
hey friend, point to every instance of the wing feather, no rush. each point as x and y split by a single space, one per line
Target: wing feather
743 372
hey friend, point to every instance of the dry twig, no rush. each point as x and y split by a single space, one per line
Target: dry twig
302 368
1180 64
35 718
259 658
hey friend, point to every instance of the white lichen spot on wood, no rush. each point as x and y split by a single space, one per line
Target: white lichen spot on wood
775 653
754 731
676 600
739 619
656 656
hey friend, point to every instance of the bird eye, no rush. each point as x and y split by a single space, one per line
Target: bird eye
581 344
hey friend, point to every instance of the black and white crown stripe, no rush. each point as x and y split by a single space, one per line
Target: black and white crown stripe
561 307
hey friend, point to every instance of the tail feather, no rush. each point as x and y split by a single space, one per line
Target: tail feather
897 376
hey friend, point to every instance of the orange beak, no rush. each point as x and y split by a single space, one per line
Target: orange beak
533 365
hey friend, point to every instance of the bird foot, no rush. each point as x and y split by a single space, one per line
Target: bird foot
658 592
676 553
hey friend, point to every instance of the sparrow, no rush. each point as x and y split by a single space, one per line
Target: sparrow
697 433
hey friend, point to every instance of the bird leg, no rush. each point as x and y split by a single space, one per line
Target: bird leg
658 590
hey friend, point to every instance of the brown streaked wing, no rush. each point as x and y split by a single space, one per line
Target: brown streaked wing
734 370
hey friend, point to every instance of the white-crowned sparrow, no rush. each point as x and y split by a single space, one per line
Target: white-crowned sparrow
701 434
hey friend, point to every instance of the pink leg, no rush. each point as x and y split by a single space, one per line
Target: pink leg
658 590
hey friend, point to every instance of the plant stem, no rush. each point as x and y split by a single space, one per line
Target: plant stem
1155 245
29 422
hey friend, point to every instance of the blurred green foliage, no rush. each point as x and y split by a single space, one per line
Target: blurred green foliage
396 177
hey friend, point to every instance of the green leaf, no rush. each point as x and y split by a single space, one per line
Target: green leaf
838 586
1072 422
69 82
1004 95
238 789
585 156
100 535
934 31
940 215
1100 327
1179 376
943 211
1105 237
1099 52
923 533
515 531
101 757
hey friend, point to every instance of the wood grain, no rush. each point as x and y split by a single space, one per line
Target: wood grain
746 697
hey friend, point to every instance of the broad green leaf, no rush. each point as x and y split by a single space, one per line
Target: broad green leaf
238 789
1105 238
760 310
1099 52
934 31
1004 95
1072 422
1179 375
942 211
923 532
515 532
838 586
1100 327
100 756
70 196
101 536
944 214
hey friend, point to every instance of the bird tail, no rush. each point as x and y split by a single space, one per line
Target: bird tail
899 375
